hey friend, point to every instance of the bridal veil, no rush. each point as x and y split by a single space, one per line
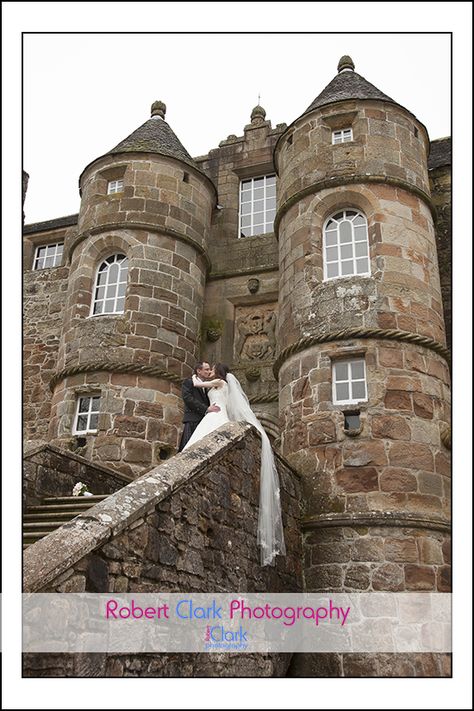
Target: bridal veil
270 536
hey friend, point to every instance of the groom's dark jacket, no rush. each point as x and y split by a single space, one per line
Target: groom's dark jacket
196 401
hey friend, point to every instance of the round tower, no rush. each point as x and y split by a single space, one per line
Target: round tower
138 265
362 363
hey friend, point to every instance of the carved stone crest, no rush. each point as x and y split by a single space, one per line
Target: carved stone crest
255 334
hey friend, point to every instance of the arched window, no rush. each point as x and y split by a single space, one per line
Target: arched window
346 245
110 285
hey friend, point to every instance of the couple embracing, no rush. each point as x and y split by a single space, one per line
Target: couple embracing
212 397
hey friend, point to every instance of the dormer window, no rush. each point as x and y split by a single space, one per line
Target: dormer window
114 186
344 135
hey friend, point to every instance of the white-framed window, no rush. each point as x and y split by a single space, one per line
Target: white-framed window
346 245
49 255
110 285
349 381
344 135
114 186
87 414
257 205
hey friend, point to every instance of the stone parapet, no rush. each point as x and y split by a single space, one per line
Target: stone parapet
190 524
50 471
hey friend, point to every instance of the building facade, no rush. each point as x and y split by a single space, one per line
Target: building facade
314 259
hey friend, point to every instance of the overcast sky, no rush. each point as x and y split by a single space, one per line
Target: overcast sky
84 93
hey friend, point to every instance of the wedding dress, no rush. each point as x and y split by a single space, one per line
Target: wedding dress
235 406
212 420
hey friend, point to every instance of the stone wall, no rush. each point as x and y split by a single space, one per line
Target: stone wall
49 471
397 458
44 300
191 525
242 287
440 184
139 424
370 665
388 141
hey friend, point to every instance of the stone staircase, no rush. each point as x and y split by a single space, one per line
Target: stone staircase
44 518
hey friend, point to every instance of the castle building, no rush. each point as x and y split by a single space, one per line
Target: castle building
314 259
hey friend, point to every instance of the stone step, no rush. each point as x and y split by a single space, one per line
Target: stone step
52 515
59 508
43 525
74 499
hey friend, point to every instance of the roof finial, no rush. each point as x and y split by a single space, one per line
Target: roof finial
258 114
345 62
158 109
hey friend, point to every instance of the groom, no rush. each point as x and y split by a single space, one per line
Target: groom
196 403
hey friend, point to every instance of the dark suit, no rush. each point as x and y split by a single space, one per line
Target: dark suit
196 403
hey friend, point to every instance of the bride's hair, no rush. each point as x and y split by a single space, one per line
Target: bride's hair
221 370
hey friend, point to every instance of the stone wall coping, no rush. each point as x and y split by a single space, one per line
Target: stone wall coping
55 553
31 452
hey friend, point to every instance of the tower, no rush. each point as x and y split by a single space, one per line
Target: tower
138 263
363 377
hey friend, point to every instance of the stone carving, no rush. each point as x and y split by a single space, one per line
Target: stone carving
255 334
253 285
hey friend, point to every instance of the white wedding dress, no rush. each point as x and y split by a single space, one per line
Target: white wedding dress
212 420
235 407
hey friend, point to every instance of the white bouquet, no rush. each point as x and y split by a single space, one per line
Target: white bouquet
81 489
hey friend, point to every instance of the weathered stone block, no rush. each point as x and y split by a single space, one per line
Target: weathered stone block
393 479
401 550
363 453
388 577
412 456
423 405
357 479
386 426
357 577
420 577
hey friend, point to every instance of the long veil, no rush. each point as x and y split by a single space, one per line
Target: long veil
270 536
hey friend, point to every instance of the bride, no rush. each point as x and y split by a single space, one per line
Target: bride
226 392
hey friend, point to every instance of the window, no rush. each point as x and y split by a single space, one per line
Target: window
346 245
48 256
87 415
348 381
342 136
257 205
110 285
114 186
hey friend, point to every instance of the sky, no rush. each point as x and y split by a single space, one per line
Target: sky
77 95
84 93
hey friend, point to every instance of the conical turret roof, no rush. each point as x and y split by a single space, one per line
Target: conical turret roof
155 136
347 84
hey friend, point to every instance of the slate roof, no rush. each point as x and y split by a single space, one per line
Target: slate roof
347 85
67 221
440 153
155 136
